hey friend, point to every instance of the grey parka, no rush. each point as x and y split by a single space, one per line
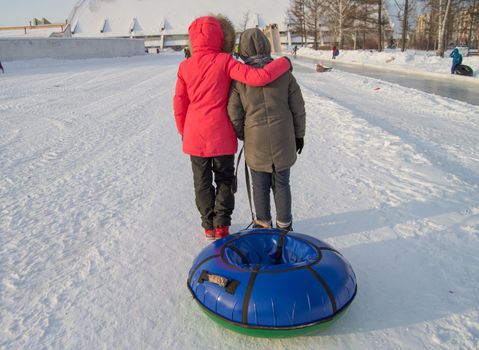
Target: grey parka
268 118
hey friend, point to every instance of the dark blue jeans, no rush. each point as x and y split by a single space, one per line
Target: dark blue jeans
263 183
454 67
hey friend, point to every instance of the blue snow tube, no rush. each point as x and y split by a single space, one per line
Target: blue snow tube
272 283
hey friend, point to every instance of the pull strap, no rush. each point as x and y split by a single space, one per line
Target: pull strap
248 189
235 181
248 184
279 251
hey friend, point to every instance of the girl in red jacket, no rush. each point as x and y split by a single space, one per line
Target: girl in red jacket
202 120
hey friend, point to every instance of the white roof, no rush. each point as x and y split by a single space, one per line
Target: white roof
113 18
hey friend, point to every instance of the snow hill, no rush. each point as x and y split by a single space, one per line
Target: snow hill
98 226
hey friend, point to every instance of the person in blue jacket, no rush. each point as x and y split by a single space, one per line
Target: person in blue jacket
456 59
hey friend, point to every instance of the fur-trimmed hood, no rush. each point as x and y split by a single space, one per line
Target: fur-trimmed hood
214 33
229 33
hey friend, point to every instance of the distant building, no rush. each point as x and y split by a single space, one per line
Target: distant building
422 24
37 28
466 25
463 29
165 23
423 34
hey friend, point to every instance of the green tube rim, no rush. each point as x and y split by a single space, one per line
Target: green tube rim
275 332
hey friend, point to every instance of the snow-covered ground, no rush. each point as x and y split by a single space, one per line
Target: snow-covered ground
393 59
98 226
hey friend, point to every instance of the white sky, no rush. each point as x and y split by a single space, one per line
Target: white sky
20 12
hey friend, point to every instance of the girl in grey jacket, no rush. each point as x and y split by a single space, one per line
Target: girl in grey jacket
271 120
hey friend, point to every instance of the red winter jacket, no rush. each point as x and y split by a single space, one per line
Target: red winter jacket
203 86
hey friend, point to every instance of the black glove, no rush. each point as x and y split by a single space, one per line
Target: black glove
299 145
290 63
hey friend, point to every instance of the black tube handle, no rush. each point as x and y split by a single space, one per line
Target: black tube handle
229 285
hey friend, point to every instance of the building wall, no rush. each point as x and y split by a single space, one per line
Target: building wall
66 48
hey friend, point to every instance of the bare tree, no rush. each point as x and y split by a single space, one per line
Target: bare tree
313 17
406 15
473 15
446 22
365 20
443 17
404 25
244 21
432 6
341 17
380 25
298 16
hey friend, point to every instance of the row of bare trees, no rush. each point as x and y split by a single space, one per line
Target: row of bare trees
350 22
449 22
342 21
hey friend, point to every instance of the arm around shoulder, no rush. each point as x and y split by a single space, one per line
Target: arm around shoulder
258 76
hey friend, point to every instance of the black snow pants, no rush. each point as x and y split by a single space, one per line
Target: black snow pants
215 205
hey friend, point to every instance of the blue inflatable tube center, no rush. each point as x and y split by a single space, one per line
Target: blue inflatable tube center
270 252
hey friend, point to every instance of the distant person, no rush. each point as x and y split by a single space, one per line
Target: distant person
456 60
1 68
157 50
295 50
187 52
235 51
335 52
321 69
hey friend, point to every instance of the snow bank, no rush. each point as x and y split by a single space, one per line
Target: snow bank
423 62
67 48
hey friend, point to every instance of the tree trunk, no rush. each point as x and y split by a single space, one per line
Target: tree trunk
472 20
404 26
439 28
442 29
340 32
303 9
380 26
